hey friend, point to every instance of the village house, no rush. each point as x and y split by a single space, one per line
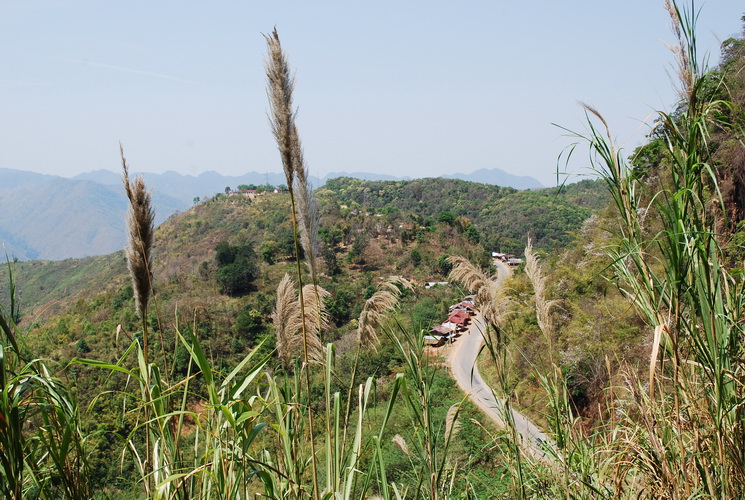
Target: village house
246 193
466 306
460 319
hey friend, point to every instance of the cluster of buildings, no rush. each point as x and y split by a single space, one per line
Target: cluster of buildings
459 317
253 193
509 259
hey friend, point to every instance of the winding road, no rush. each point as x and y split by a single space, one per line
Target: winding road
466 373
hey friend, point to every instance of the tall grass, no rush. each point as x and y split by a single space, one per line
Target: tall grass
433 473
678 431
41 441
280 85
255 430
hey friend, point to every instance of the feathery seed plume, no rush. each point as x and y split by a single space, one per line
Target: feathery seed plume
288 320
452 425
307 208
284 317
279 90
466 273
382 301
490 297
280 85
543 306
399 441
141 230
316 319
681 53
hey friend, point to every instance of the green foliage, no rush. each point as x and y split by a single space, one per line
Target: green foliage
446 217
675 421
649 157
473 235
268 251
82 347
339 306
549 215
416 257
123 297
41 441
236 267
249 326
443 266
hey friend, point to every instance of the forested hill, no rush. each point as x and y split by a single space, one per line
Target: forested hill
504 216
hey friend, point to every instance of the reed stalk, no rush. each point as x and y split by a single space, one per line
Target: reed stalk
282 118
677 436
141 233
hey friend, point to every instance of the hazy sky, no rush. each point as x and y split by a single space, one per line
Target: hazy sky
416 88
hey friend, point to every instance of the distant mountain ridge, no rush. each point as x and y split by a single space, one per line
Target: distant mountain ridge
187 187
52 218
498 177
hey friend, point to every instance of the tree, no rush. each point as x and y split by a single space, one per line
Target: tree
473 234
227 189
447 217
443 265
268 251
416 257
329 258
236 267
196 200
224 254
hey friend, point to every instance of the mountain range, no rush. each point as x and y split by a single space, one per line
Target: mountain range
52 218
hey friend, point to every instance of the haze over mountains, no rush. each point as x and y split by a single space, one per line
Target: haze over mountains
52 218
187 187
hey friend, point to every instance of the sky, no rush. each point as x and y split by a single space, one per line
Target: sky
407 88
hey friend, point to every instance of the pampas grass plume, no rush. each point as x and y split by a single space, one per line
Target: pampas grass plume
382 301
280 85
452 425
287 318
141 231
400 442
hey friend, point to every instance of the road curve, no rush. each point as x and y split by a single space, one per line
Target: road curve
466 373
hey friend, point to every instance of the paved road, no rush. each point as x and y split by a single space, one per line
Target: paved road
503 270
466 373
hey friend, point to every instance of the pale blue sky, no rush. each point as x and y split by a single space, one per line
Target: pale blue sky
417 88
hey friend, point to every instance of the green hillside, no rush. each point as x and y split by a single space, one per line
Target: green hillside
218 375
504 216
85 307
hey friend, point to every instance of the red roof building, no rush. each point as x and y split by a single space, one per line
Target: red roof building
460 318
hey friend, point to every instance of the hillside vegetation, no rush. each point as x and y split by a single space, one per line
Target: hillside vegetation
272 346
504 216
397 218
37 211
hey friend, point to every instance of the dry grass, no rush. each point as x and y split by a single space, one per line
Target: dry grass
288 320
543 306
382 301
141 230
490 297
